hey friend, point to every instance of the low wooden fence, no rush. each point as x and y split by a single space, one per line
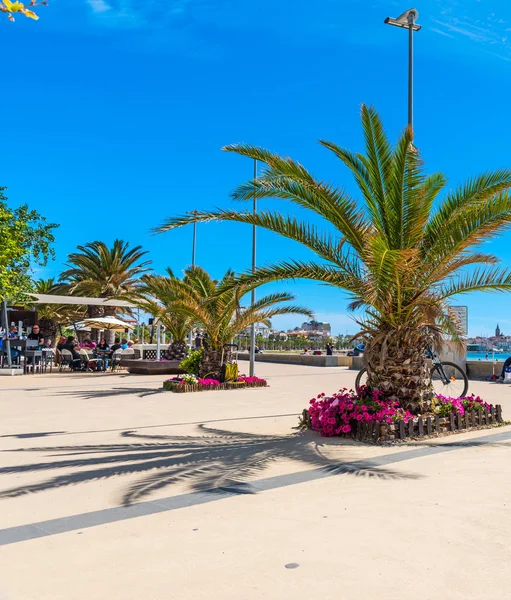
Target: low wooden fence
376 431
195 387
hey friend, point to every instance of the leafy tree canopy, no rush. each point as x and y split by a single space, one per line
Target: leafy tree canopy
26 240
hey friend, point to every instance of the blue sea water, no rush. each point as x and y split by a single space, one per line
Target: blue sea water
500 356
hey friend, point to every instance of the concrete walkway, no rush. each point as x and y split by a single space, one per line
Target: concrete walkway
110 488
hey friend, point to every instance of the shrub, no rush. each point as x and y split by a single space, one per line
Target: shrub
208 381
192 362
444 406
252 379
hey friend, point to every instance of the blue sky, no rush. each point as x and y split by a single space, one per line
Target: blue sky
115 111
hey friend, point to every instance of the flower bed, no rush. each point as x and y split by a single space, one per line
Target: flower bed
368 416
190 383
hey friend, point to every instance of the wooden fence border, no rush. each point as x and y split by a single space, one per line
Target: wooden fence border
375 431
195 387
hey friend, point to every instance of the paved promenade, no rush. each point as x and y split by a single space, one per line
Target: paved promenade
111 488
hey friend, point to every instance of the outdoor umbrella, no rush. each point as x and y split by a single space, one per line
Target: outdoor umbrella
106 323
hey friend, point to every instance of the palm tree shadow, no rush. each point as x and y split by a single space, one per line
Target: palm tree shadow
214 461
119 391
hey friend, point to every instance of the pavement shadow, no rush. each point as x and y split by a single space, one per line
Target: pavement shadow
119 391
212 461
37 434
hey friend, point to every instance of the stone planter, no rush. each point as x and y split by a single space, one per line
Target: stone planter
152 367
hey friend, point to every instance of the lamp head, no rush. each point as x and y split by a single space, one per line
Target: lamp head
406 20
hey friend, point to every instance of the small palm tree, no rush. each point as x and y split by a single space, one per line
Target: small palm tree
158 294
101 272
50 316
215 306
399 251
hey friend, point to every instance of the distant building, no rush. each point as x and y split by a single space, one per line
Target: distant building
498 333
316 326
262 330
314 331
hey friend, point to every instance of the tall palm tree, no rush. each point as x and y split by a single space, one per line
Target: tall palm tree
399 251
50 316
102 272
215 306
157 296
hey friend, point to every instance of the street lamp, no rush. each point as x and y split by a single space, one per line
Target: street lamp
252 329
194 242
408 21
194 238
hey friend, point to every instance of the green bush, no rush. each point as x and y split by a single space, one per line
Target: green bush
192 362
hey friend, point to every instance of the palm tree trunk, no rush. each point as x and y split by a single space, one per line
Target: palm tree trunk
48 329
94 311
109 311
212 362
177 350
398 367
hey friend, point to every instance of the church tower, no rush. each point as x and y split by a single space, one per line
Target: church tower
497 331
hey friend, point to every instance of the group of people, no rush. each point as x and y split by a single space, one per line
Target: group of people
34 335
102 353
329 350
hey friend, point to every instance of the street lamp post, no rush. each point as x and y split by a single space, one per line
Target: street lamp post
252 328
194 243
408 21
5 319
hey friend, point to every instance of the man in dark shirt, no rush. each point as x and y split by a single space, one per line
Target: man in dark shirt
116 345
70 345
36 333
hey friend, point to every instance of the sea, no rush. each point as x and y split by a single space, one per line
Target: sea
500 356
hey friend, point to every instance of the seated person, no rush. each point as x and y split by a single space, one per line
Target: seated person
88 344
124 343
3 350
103 346
71 346
103 354
116 345
35 334
504 367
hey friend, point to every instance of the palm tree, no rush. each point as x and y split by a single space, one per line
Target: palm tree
102 272
50 316
157 297
215 306
399 251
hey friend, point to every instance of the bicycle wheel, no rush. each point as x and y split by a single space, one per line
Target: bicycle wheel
361 379
449 380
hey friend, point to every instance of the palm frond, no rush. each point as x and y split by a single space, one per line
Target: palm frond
481 280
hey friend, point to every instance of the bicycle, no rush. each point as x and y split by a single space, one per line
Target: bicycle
447 378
